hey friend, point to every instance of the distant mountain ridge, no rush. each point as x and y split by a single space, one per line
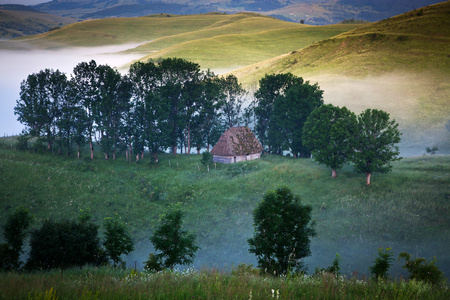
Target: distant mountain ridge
318 12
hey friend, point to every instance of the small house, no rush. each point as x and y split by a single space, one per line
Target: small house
237 144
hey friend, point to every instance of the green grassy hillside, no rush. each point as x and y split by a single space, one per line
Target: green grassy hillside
406 209
213 40
16 23
400 65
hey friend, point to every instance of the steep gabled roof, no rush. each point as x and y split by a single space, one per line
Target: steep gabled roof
237 141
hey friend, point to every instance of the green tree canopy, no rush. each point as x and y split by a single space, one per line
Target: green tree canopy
328 132
271 87
375 143
283 229
63 244
175 245
117 239
290 113
15 231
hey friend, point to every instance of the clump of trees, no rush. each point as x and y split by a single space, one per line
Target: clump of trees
336 136
62 244
157 106
172 104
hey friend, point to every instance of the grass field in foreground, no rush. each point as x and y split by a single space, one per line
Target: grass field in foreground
406 209
107 283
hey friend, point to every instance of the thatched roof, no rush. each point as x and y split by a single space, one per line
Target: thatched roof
237 141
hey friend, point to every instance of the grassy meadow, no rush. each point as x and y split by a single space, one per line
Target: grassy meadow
241 283
406 209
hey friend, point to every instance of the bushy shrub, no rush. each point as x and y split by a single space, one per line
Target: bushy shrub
432 150
65 244
382 263
422 270
15 231
22 142
334 268
207 158
153 264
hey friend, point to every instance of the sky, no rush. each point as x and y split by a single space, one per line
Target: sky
15 66
24 2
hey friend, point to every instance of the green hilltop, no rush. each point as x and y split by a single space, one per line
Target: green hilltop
400 65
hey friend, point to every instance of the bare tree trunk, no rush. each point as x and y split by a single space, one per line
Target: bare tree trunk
368 178
189 138
91 147
333 173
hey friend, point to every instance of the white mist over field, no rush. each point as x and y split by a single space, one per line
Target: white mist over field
16 65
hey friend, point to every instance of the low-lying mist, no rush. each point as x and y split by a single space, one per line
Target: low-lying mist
418 102
16 65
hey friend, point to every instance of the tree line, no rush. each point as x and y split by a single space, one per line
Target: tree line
155 106
172 104
161 105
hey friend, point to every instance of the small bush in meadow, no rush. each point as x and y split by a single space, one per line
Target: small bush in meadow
382 263
422 270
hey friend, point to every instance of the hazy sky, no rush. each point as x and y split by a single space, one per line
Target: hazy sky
24 2
15 66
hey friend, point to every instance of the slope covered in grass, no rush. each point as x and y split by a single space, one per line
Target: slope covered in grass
400 65
16 23
213 40
406 209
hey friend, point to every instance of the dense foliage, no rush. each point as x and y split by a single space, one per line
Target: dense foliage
375 142
118 240
175 245
156 106
328 132
65 244
282 104
283 229
421 270
15 231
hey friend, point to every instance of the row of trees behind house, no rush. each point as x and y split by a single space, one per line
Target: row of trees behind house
155 106
172 103
159 106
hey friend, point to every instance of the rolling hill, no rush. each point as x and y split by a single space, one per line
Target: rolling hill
20 20
400 64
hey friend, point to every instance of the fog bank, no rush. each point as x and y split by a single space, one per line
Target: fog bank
16 65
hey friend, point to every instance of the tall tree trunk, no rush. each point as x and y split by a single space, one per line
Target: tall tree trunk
368 178
174 149
333 173
189 138
155 154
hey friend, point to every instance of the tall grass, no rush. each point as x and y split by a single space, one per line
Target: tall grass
107 283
